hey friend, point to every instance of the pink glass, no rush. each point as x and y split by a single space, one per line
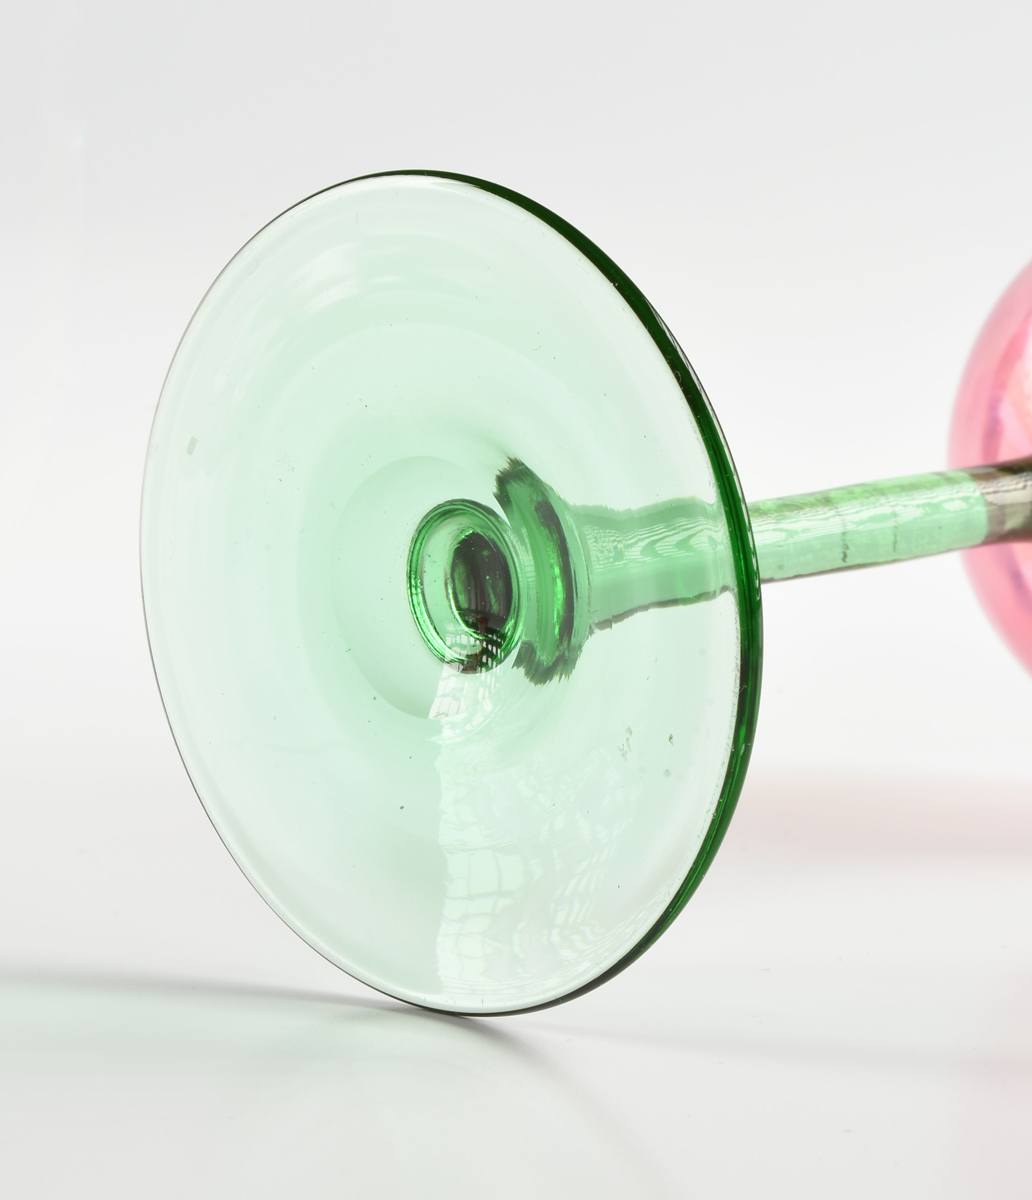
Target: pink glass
992 422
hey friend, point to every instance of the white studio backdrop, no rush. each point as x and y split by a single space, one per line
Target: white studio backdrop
823 202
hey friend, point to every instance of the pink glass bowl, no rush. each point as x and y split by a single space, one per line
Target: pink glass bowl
992 422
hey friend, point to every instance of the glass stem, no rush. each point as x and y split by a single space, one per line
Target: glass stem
543 580
892 520
668 553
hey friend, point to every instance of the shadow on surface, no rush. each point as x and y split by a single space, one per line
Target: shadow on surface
180 1088
856 815
848 923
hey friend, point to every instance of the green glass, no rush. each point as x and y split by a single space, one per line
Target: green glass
892 520
466 693
477 840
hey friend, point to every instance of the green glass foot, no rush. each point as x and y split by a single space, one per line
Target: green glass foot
403 485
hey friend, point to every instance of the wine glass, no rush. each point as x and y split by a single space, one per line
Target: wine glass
453 595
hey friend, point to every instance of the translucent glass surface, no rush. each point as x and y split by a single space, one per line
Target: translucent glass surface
992 422
479 840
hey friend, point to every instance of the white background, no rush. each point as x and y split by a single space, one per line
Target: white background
823 201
